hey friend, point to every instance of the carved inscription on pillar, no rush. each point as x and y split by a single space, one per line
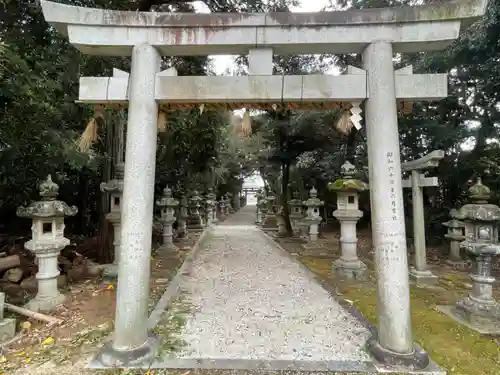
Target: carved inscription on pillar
392 183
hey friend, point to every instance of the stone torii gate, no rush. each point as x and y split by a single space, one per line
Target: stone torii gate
376 34
417 181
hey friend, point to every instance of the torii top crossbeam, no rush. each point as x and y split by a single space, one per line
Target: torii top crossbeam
409 29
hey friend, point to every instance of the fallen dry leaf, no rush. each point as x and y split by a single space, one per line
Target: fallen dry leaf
48 341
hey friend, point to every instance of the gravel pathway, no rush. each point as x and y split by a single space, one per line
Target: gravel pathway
251 300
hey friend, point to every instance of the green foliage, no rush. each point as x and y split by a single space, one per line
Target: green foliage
40 121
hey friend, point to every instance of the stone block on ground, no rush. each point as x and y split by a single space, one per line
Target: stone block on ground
349 270
7 325
7 329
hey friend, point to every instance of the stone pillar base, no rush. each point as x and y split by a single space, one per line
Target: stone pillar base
416 360
422 277
7 329
45 305
146 354
350 270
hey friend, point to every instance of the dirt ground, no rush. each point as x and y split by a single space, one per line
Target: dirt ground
455 347
87 319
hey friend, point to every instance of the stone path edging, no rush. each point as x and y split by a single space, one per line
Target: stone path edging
173 286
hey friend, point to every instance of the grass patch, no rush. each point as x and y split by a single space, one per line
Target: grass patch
458 349
170 326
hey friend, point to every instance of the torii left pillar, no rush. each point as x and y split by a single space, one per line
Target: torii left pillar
131 342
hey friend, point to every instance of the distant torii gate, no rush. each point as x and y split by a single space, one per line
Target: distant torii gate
376 34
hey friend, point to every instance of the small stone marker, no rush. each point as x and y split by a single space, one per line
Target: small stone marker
419 273
7 325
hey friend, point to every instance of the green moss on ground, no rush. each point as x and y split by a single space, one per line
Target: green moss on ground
455 347
170 326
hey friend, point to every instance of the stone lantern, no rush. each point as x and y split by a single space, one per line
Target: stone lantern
194 218
222 206
115 190
258 210
348 213
168 205
262 205
455 235
46 243
296 212
229 204
481 243
271 211
211 209
313 218
280 221
182 216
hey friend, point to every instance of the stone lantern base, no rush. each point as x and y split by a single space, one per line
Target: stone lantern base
484 320
194 223
422 277
270 222
168 244
350 270
484 314
45 304
110 271
48 296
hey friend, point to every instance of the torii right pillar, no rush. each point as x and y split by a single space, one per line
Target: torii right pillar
386 197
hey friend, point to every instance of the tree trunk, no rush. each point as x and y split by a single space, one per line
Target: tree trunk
285 167
351 145
105 234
